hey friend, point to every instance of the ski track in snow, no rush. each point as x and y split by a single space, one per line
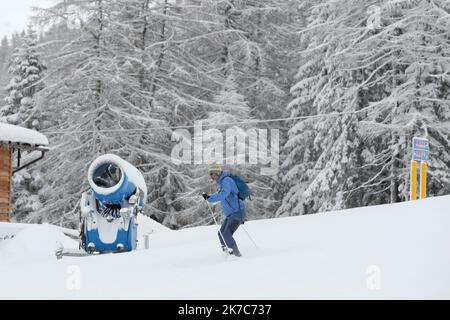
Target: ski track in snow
325 256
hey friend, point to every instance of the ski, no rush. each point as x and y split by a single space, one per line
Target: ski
232 257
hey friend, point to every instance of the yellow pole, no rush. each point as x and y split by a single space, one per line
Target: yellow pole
413 195
423 180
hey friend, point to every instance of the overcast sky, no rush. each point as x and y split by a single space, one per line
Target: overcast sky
14 14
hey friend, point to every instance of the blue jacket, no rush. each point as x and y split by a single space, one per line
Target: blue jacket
227 195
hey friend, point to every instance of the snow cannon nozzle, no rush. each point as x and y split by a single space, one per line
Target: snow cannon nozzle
114 180
107 175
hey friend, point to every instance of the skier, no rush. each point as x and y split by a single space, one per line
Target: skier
233 208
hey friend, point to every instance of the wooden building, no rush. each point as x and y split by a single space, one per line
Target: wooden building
15 142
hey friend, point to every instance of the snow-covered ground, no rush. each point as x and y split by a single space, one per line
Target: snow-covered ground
390 251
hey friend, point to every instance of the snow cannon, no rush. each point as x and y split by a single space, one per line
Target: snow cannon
109 209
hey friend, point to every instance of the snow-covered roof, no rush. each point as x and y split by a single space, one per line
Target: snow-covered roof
16 134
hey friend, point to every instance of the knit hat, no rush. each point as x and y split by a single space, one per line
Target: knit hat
217 168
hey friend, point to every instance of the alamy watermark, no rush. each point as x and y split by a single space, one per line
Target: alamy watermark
235 146
73 281
373 281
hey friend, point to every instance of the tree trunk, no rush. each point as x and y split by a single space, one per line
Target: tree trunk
161 56
98 84
143 44
225 51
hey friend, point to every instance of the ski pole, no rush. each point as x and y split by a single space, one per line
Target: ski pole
248 235
218 228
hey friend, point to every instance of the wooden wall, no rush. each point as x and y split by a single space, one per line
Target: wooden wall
5 182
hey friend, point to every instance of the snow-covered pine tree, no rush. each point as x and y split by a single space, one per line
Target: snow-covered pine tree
391 83
178 82
4 51
303 147
92 90
5 56
411 85
128 65
26 69
230 107
246 51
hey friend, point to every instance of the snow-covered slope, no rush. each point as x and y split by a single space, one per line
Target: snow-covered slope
390 251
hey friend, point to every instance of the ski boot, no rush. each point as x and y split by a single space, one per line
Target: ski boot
234 252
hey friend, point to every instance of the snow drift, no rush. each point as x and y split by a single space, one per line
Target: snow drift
389 251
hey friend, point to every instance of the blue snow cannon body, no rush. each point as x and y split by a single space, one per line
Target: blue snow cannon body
109 209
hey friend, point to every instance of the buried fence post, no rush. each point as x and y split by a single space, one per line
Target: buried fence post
147 241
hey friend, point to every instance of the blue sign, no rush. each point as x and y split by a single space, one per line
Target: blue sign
421 149
421 155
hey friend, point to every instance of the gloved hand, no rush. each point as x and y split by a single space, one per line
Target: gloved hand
205 196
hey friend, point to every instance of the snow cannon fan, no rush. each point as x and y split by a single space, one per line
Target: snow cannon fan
109 209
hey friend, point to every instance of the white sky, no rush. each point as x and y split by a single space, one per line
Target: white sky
14 14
